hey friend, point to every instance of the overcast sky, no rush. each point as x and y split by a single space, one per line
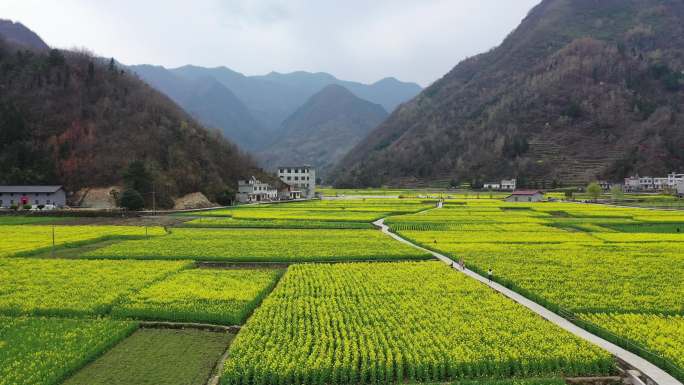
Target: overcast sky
362 40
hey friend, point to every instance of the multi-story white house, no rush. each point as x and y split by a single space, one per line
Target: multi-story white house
674 179
647 183
301 178
508 184
48 196
253 190
492 186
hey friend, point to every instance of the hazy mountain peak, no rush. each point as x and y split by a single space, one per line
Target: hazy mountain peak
17 33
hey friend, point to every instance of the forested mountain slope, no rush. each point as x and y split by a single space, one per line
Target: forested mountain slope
582 89
73 119
323 130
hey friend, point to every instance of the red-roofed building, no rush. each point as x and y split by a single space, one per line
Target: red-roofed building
526 196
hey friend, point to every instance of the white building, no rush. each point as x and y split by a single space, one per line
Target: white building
632 183
674 179
526 196
647 183
48 196
680 188
301 178
508 184
253 190
492 186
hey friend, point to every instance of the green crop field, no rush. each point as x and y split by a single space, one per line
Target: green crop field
263 245
362 210
73 287
157 357
663 335
229 222
18 239
201 295
45 350
19 220
385 322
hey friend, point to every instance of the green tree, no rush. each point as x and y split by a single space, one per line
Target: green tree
137 177
132 200
594 190
616 193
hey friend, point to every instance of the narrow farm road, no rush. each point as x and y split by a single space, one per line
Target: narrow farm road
655 373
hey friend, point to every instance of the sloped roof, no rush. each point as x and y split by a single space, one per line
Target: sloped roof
29 189
527 192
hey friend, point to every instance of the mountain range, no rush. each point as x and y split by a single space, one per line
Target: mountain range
73 119
323 130
252 109
582 89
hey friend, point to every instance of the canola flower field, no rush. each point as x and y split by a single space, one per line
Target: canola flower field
73 287
361 210
18 239
36 351
263 245
224 297
661 334
389 317
595 261
389 322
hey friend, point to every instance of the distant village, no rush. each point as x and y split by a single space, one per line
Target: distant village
299 182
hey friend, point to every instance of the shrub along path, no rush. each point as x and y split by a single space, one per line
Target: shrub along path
655 373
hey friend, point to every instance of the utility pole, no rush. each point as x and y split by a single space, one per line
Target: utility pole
154 201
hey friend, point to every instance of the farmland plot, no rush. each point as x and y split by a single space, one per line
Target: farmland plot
23 239
201 295
263 245
73 287
44 351
388 322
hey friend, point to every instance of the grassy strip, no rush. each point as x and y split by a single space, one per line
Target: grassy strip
157 356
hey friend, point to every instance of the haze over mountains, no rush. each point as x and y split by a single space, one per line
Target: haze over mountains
252 109
582 89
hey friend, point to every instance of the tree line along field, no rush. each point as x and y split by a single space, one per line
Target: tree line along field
619 268
386 320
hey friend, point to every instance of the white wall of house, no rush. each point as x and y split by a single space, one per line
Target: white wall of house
9 199
302 178
508 184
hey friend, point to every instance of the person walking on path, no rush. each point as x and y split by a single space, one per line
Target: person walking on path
490 274
462 264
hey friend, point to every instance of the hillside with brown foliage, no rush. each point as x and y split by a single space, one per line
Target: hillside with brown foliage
70 118
582 89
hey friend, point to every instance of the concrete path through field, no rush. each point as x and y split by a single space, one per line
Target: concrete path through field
655 373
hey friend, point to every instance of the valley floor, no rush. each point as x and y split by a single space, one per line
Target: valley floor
322 296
